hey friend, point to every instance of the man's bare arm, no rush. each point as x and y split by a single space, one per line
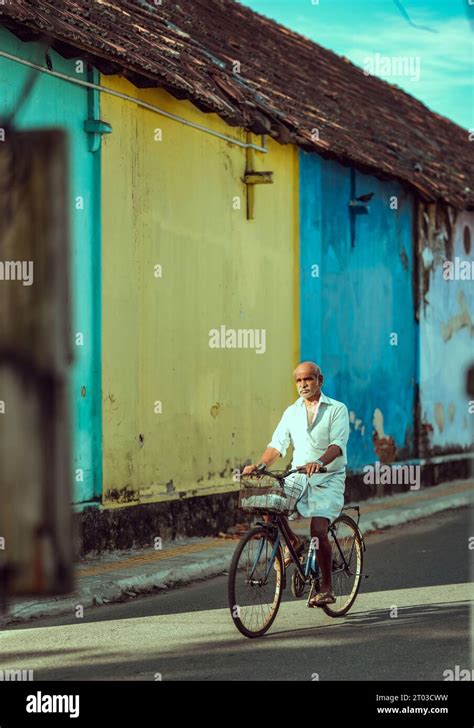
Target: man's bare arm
333 452
268 458
327 457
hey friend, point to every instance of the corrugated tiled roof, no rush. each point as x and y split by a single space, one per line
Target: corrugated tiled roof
287 86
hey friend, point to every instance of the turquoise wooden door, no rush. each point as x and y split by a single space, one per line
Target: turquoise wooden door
57 103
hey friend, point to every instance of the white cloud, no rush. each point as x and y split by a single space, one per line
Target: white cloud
446 57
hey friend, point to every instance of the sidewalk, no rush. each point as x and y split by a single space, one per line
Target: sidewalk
119 575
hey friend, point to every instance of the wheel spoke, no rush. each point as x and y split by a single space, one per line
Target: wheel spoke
257 601
346 561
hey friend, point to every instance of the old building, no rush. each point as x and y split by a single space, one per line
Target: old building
265 186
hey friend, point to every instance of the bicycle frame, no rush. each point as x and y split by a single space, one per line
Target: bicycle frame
259 553
279 527
311 568
262 566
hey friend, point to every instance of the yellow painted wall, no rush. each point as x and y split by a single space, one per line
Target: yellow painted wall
170 203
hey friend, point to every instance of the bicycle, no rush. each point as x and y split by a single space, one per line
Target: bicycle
262 573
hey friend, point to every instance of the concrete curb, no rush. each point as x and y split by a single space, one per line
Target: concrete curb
376 521
115 590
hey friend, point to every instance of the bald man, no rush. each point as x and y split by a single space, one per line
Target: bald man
318 428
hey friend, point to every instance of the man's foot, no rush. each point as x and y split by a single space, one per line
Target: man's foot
298 547
322 598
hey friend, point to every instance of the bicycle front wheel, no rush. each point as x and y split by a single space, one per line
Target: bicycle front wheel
347 563
255 581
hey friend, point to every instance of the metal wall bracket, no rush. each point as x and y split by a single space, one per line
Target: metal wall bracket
93 125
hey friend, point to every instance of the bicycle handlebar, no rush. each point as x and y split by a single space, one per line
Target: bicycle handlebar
262 470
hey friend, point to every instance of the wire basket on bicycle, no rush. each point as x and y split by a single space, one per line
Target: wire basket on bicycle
269 495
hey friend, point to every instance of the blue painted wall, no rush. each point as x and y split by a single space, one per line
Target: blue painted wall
56 103
361 293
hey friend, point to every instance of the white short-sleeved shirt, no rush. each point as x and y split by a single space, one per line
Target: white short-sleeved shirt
330 427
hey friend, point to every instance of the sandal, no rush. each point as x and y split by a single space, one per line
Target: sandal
288 557
322 598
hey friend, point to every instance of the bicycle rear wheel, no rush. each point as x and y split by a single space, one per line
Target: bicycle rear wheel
347 565
255 581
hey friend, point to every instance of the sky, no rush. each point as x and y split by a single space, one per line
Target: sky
436 38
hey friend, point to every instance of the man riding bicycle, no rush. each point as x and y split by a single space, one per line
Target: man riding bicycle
318 428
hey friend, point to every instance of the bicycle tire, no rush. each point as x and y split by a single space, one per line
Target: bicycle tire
235 609
330 609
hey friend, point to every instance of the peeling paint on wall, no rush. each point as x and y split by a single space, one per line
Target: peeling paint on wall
446 329
439 415
459 320
384 445
215 410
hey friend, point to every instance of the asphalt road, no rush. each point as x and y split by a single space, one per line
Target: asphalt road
422 568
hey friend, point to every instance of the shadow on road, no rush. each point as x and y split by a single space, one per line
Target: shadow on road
422 642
